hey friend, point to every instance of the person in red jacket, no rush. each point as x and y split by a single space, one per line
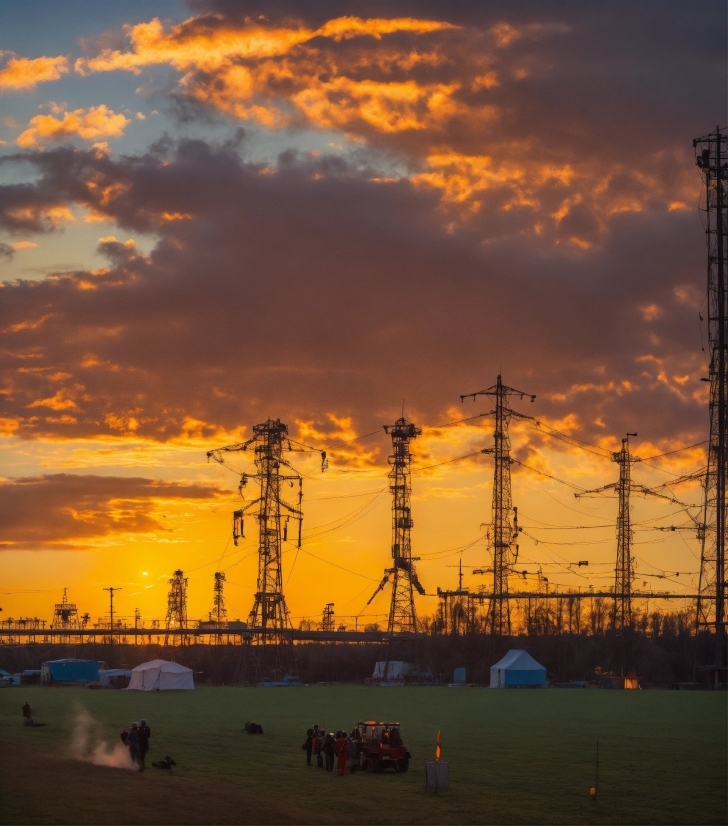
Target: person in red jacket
341 750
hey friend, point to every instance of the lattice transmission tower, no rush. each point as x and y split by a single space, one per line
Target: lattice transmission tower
402 611
504 520
327 617
219 611
269 442
176 618
712 159
65 618
624 567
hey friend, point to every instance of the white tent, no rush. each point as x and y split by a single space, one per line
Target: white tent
518 668
395 670
160 675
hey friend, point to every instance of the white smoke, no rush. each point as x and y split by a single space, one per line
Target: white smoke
86 745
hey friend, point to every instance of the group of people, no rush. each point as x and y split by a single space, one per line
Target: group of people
326 746
137 739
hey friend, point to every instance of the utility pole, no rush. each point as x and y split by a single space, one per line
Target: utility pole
624 567
402 613
712 159
503 530
111 611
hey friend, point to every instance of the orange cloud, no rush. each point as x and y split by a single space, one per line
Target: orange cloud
25 73
95 122
189 46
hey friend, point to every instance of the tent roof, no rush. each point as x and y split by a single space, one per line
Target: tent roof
163 665
69 660
519 660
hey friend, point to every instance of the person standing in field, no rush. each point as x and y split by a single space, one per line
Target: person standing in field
353 750
308 746
341 749
318 748
328 749
144 734
132 740
27 714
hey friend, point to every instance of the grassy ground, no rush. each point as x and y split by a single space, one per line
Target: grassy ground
515 757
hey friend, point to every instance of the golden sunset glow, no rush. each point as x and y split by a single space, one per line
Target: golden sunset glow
218 218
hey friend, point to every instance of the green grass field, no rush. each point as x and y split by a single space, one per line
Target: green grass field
515 757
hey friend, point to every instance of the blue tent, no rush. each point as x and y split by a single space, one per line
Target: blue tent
69 671
517 669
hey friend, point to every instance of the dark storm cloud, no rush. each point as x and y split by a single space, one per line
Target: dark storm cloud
313 288
65 511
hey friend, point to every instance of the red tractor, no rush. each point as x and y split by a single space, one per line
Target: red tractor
381 747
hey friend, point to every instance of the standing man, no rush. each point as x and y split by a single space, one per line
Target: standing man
27 714
308 746
144 734
132 740
328 749
318 743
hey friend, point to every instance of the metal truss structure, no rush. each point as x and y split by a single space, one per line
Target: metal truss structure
504 522
624 567
402 611
712 159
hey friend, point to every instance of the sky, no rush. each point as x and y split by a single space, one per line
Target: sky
212 213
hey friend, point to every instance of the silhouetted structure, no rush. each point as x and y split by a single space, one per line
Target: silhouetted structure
503 529
712 159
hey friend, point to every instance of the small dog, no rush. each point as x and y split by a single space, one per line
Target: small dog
167 763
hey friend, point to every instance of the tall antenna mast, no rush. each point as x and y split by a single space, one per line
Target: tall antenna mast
712 158
503 529
402 613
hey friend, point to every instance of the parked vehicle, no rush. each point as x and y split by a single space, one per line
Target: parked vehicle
381 747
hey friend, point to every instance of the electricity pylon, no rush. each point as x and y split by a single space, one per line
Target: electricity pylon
218 600
269 617
712 158
177 604
503 529
269 609
624 567
402 612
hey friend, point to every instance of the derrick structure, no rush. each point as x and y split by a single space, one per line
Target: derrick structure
504 519
712 159
402 612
